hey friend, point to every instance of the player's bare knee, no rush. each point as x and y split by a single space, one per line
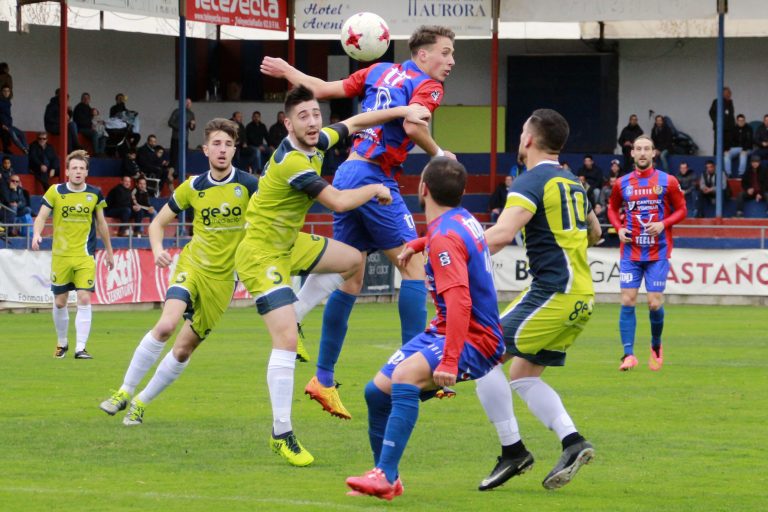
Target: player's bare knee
182 353
352 284
164 329
83 298
655 303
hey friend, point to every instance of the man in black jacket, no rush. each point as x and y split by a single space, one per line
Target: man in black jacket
120 205
43 162
729 118
662 137
628 135
740 145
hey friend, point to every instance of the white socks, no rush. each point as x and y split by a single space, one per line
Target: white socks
280 381
82 326
166 374
145 355
496 397
316 288
61 323
545 404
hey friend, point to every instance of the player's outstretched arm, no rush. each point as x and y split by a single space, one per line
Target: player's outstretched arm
344 200
414 114
103 229
38 226
156 234
278 68
501 234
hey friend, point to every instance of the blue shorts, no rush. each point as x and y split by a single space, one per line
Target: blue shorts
655 272
371 226
472 364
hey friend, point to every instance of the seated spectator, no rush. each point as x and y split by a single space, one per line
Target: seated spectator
615 170
142 205
662 138
100 133
154 166
51 119
43 162
601 212
689 184
498 198
120 118
129 166
708 187
754 184
6 169
740 145
16 201
277 132
256 135
605 192
8 132
518 168
120 205
170 172
761 139
592 178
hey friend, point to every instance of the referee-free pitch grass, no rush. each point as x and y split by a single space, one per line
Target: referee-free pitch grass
689 438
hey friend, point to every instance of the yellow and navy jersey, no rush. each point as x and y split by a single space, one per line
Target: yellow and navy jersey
556 236
287 189
219 217
74 218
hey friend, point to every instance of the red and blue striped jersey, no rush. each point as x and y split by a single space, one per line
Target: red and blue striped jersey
457 256
387 85
647 196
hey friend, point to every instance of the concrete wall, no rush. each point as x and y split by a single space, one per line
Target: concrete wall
673 77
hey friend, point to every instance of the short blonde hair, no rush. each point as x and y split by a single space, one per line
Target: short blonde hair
78 154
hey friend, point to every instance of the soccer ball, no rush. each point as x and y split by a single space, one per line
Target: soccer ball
365 36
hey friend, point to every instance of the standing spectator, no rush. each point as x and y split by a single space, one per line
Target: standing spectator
5 77
499 198
119 106
628 135
173 122
662 137
740 144
17 200
708 187
120 205
689 184
645 234
761 139
142 205
51 119
729 119
592 179
8 132
83 118
43 162
256 134
130 118
277 132
245 156
77 208
753 185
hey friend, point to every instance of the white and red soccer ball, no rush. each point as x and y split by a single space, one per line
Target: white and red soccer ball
365 36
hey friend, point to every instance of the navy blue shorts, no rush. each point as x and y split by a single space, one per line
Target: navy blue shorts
371 227
655 272
472 364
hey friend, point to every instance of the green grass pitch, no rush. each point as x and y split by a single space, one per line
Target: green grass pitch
689 438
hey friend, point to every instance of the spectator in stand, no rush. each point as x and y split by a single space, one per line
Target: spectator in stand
5 77
708 187
153 166
120 205
518 168
256 135
740 145
245 155
173 122
8 132
6 169
51 119
142 205
689 184
129 166
729 119
499 198
605 194
83 118
661 135
615 171
101 135
130 117
16 199
761 139
43 162
119 106
592 178
754 184
628 135
170 171
277 132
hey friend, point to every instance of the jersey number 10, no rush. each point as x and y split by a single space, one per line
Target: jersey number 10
573 206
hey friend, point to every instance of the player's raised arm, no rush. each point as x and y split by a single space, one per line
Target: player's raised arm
103 228
156 235
414 114
39 225
501 234
278 68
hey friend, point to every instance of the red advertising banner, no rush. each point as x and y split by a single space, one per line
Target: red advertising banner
263 14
